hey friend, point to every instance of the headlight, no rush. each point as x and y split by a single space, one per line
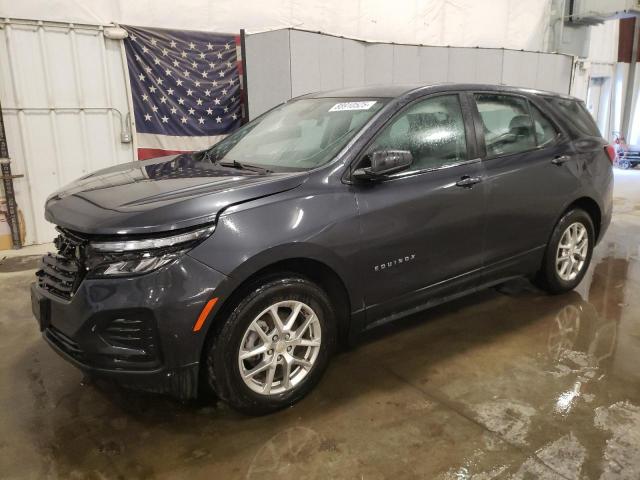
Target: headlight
134 266
137 256
152 243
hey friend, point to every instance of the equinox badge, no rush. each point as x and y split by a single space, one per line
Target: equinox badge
394 262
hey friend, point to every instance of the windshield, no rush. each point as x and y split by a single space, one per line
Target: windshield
299 135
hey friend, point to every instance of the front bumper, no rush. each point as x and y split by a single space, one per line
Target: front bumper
136 330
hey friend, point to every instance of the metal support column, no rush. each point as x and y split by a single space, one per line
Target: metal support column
245 87
631 80
7 182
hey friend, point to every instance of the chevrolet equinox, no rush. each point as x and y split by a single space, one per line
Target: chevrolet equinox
239 269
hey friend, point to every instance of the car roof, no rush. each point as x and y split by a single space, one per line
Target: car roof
394 91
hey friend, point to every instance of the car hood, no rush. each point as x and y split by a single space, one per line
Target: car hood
157 195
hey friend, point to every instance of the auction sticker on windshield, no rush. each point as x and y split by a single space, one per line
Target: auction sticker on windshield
341 107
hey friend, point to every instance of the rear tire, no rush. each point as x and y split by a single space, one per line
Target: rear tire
290 323
568 253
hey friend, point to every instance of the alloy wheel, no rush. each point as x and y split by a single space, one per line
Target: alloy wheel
280 347
572 251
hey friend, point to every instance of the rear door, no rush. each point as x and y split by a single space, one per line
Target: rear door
531 171
421 229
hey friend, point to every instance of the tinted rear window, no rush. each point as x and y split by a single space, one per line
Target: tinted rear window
576 114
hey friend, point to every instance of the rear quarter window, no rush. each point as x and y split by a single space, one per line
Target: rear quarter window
576 115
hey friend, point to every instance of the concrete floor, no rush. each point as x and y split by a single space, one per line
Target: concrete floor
503 384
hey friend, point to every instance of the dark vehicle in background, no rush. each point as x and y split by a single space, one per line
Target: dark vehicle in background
241 268
627 156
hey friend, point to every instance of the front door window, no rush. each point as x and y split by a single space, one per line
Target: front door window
432 130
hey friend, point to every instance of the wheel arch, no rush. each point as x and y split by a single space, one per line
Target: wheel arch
315 270
544 278
590 206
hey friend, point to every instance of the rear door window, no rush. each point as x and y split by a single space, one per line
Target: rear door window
507 125
545 131
576 114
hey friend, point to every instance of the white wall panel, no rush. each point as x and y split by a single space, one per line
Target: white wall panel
406 64
268 70
330 55
461 67
316 62
72 151
64 104
488 65
434 64
378 67
553 72
323 62
353 62
61 80
305 62
520 69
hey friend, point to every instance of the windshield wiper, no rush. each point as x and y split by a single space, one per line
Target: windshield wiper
244 166
206 156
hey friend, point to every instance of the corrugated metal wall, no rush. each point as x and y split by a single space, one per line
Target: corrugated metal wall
287 63
65 108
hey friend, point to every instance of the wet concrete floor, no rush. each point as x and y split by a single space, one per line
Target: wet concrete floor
505 384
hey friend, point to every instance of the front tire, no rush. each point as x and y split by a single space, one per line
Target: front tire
568 253
274 346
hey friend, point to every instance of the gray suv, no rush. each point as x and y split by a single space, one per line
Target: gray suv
240 269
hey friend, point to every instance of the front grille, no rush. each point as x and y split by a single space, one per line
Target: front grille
61 273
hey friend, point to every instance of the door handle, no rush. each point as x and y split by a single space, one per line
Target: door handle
467 181
560 159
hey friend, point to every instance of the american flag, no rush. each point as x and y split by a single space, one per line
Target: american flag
185 86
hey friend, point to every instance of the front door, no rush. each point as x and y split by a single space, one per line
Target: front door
421 229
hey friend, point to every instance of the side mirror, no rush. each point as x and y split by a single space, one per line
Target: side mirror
385 162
